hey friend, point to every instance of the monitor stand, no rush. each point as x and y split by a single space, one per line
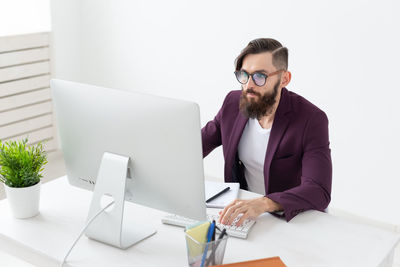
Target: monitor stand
108 226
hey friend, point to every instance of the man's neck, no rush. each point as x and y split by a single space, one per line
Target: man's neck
267 120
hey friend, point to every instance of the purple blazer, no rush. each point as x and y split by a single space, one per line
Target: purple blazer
297 166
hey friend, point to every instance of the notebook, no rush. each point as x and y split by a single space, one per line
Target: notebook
213 188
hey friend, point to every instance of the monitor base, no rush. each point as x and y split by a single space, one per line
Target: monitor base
108 226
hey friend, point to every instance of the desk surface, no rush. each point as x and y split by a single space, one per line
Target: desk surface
311 239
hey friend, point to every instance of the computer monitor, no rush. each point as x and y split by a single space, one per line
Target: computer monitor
160 136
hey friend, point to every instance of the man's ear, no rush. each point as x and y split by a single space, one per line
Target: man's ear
286 77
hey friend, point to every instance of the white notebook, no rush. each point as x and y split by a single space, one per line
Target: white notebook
213 188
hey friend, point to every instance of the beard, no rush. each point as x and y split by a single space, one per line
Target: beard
256 108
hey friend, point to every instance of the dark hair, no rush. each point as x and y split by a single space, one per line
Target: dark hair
260 45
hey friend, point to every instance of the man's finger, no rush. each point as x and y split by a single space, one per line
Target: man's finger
223 212
236 213
225 219
243 218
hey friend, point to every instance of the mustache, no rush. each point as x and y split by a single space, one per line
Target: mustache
251 91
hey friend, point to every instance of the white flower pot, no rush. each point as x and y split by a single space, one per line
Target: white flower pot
23 201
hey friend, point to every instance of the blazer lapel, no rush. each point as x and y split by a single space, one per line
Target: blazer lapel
279 126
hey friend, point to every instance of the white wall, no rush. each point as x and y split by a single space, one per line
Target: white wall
343 56
66 48
24 16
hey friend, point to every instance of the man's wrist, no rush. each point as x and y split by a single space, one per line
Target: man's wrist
271 206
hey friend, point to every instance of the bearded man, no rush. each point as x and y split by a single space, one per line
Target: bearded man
275 142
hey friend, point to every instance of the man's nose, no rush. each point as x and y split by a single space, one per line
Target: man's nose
250 83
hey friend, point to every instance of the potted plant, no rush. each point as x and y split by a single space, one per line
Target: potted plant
20 171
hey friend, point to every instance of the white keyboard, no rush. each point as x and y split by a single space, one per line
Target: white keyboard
240 232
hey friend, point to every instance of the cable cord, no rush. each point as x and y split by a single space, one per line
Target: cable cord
83 231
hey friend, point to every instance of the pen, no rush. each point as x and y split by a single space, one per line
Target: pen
218 194
213 235
209 236
213 245
221 235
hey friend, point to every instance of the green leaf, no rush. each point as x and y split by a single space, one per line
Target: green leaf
21 164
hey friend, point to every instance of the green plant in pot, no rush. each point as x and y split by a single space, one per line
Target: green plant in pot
20 171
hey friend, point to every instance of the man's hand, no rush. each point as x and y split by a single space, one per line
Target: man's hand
250 209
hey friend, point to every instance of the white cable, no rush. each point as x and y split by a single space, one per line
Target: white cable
83 231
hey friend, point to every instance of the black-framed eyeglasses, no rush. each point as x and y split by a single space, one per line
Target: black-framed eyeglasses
259 78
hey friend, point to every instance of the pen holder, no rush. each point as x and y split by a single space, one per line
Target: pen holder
211 253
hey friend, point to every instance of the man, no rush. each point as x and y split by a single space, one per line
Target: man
274 141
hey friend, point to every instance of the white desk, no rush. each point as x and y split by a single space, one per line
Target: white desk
310 239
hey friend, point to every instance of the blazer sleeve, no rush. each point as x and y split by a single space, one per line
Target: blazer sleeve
314 192
211 132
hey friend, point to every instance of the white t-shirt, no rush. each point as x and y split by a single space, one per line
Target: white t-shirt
252 149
